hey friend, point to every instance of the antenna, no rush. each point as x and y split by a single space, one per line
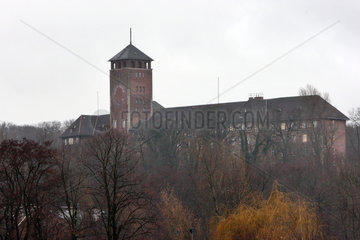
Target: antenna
218 90
130 36
97 102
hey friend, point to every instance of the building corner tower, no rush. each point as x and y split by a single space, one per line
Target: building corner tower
130 88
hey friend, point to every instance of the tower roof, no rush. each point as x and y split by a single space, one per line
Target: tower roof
131 53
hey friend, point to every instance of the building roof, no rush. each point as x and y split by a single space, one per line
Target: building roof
131 53
286 108
90 125
156 106
87 126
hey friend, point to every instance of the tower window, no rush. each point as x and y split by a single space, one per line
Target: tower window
143 88
124 64
132 64
136 75
137 88
143 75
140 64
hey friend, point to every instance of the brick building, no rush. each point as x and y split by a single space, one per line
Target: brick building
300 118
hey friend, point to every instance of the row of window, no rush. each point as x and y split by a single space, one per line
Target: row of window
71 141
114 124
304 138
302 125
139 75
143 110
140 89
140 101
139 64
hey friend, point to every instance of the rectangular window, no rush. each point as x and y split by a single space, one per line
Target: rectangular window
71 141
315 124
114 124
304 138
283 126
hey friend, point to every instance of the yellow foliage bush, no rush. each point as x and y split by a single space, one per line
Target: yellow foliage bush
278 217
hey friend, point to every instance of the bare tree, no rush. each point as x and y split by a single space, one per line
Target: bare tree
73 202
310 90
28 187
354 133
116 187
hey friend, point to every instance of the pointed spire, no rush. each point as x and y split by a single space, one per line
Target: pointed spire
130 37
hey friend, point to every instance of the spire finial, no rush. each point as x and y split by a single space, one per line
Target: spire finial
130 37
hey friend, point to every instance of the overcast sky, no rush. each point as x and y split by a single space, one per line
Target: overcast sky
192 42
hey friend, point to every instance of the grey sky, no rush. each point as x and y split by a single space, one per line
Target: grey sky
192 43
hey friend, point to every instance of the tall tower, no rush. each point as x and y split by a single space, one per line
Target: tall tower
130 87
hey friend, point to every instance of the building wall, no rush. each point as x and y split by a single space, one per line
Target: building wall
130 96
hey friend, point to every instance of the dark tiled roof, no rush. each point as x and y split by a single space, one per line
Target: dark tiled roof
294 109
131 53
90 125
299 107
156 106
87 126
279 109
